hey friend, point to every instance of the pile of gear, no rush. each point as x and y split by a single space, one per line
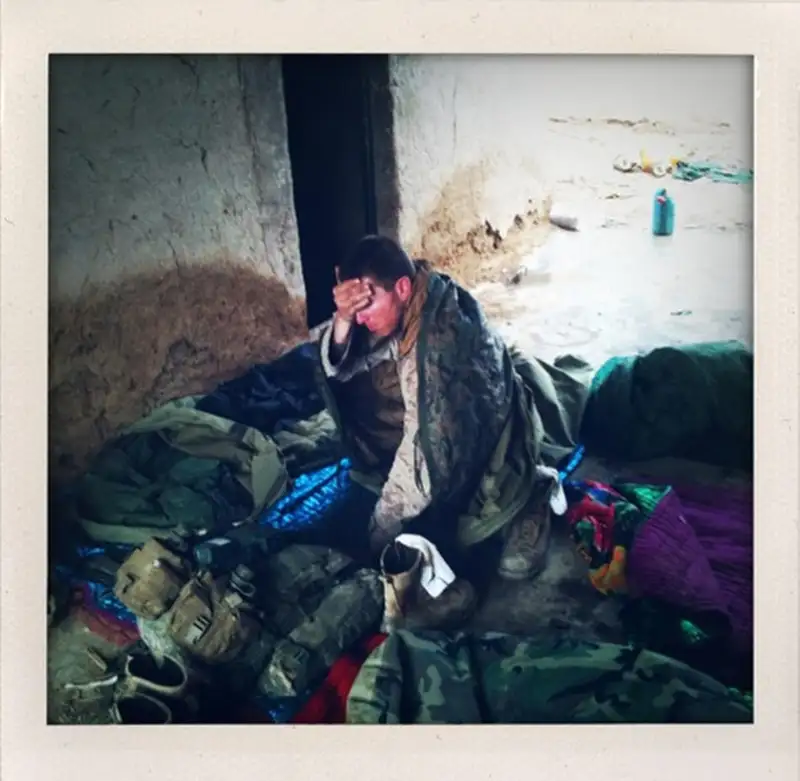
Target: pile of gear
202 526
273 622
211 624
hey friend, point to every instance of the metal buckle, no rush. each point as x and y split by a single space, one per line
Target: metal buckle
199 627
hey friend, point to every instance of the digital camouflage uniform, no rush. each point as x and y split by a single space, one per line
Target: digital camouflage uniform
433 678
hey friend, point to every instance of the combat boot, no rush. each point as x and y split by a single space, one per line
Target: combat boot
140 708
167 681
447 612
408 605
141 673
400 573
526 543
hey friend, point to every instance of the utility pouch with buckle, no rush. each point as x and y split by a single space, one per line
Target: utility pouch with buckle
149 581
211 622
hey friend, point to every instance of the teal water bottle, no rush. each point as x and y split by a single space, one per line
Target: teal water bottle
663 214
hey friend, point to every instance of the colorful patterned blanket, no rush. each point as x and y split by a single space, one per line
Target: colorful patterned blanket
604 521
683 562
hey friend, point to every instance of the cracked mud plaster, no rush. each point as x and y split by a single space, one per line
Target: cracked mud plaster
119 350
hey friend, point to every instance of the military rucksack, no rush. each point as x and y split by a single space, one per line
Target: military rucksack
177 466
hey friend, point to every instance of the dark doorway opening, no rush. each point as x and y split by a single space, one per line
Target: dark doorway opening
339 124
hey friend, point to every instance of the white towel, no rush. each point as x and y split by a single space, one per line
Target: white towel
558 499
436 574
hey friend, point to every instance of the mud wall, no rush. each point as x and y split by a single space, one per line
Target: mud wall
468 171
483 142
174 258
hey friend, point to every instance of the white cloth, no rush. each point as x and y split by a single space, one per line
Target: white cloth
558 499
436 574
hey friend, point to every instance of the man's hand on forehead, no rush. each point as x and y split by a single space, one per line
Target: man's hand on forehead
351 296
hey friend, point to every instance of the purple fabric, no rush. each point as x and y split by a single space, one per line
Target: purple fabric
696 551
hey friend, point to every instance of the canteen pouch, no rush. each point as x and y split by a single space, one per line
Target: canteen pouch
209 622
150 579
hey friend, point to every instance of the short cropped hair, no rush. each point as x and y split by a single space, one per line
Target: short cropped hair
380 258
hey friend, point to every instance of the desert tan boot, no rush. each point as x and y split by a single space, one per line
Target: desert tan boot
447 612
526 545
406 603
400 573
143 674
140 708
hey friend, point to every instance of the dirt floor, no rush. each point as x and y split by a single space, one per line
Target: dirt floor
562 597
612 287
68 663
609 288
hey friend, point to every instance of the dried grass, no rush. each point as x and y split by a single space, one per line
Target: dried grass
119 350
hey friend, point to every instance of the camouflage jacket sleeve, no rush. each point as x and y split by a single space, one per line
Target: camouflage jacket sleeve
407 491
353 360
347 364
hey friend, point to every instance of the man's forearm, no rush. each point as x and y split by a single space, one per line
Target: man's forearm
338 362
341 332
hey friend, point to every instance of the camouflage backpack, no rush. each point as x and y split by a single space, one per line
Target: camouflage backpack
317 603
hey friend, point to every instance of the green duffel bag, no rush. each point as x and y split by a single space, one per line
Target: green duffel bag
177 467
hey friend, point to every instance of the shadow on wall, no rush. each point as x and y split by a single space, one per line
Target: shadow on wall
119 350
456 236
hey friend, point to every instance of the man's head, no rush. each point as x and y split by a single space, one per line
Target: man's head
381 263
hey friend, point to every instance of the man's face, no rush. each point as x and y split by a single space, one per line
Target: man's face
385 311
